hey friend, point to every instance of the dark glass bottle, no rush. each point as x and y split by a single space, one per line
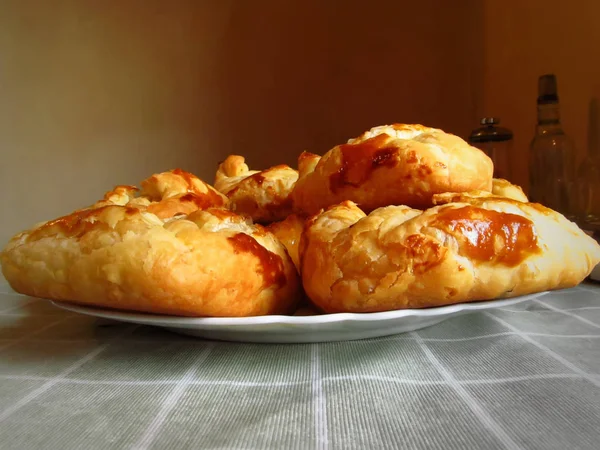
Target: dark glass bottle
495 142
552 154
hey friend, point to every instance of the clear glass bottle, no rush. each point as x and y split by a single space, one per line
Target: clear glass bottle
588 174
495 142
552 154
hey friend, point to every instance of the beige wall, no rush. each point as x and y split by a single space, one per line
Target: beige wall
94 93
525 39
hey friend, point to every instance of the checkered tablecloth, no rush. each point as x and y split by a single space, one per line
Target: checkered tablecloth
526 377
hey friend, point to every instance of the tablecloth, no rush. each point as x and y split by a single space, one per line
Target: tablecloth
521 377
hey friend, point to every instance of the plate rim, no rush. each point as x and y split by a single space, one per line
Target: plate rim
180 321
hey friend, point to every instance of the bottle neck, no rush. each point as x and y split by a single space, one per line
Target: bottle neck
548 118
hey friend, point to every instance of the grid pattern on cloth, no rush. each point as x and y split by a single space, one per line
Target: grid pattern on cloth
525 377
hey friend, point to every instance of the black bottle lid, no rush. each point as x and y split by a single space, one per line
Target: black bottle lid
490 132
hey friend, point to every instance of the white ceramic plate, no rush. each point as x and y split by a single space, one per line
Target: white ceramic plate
300 329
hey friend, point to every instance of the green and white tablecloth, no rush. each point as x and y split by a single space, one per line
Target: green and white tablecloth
527 377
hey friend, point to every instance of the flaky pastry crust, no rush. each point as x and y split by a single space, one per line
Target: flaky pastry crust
262 195
171 250
288 231
504 188
391 165
477 249
501 189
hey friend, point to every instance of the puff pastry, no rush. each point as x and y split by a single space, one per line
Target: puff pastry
391 165
288 232
504 188
479 248
262 195
173 249
500 189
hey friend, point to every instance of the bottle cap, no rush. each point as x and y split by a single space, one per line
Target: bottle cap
490 132
547 89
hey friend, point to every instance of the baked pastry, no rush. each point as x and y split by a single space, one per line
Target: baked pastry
166 194
167 251
480 248
504 188
391 165
262 195
501 189
288 231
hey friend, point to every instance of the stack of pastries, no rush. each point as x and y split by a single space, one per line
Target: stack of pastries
402 216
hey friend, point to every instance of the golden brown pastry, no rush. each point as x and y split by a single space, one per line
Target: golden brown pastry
166 194
391 165
288 231
449 197
504 188
501 189
477 249
262 195
160 252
